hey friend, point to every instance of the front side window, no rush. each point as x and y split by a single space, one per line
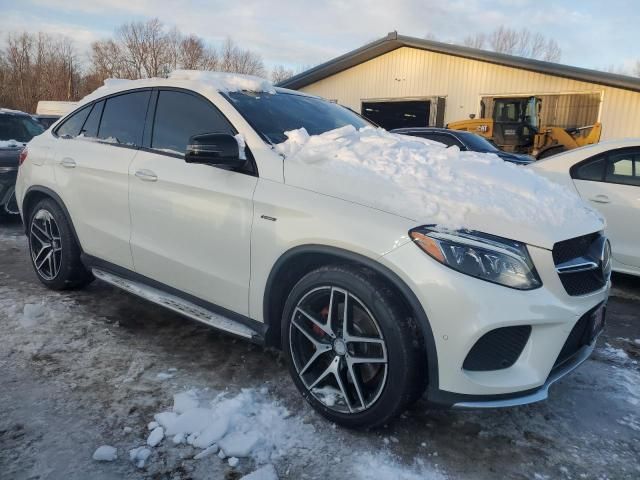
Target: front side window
123 118
448 140
179 116
271 115
72 125
624 168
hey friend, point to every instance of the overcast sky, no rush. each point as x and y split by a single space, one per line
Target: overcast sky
591 33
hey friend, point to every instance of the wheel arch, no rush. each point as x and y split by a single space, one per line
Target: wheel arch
296 262
36 193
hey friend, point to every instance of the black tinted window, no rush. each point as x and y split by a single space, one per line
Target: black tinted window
273 114
448 140
20 128
180 116
123 118
72 125
592 170
624 168
90 128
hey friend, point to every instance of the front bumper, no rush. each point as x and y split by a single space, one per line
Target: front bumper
461 309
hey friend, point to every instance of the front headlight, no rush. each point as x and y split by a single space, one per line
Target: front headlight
487 257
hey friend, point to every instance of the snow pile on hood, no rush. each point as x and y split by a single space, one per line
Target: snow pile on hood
225 82
424 181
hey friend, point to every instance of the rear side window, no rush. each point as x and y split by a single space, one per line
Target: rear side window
123 118
179 116
72 125
448 140
90 128
624 168
592 170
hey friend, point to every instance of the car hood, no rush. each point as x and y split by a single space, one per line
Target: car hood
433 185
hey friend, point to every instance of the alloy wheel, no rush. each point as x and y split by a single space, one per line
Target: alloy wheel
338 350
45 244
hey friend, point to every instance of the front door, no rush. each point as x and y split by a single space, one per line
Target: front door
191 224
611 183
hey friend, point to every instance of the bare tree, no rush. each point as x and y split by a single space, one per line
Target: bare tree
237 60
37 66
517 42
279 73
479 40
148 49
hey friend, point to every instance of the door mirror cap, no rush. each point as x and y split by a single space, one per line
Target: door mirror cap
214 149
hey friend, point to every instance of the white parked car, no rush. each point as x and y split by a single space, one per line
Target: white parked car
606 174
384 266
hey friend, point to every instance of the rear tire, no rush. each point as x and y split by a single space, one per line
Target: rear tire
54 252
372 363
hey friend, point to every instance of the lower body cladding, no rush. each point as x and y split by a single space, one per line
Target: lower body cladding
497 346
8 204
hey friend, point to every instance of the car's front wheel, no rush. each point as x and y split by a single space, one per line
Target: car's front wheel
350 346
55 254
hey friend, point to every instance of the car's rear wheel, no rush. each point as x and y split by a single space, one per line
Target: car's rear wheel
349 346
55 254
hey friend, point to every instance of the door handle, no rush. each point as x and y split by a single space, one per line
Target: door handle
68 163
600 199
146 175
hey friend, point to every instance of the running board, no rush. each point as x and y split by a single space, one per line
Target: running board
176 304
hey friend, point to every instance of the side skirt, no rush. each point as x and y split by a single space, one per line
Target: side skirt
176 301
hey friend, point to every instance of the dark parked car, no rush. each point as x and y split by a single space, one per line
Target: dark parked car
46 120
464 140
16 129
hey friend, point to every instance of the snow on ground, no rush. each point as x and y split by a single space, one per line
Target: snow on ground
423 180
385 467
80 371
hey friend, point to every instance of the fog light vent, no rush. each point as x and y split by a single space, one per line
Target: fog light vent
497 349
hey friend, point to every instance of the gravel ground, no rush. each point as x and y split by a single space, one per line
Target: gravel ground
89 368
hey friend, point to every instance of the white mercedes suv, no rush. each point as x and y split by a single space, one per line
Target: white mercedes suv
386 267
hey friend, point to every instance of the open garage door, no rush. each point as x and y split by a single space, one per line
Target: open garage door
401 114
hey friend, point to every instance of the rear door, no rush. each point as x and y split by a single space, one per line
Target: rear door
611 183
191 223
94 151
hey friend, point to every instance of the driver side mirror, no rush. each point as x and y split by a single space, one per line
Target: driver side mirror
214 149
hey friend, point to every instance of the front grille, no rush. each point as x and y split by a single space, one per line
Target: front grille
579 282
497 349
573 248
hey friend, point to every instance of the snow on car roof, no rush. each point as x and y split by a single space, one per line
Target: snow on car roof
218 81
225 82
423 180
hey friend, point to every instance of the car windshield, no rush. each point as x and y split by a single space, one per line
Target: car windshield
477 143
273 114
19 127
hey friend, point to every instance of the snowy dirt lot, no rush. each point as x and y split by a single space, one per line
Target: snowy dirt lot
177 400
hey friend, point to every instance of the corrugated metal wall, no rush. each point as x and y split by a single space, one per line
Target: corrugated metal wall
412 73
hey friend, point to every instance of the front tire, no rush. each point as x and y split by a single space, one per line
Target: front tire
350 346
54 252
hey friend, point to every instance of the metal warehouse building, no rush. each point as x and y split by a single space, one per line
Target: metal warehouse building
405 81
